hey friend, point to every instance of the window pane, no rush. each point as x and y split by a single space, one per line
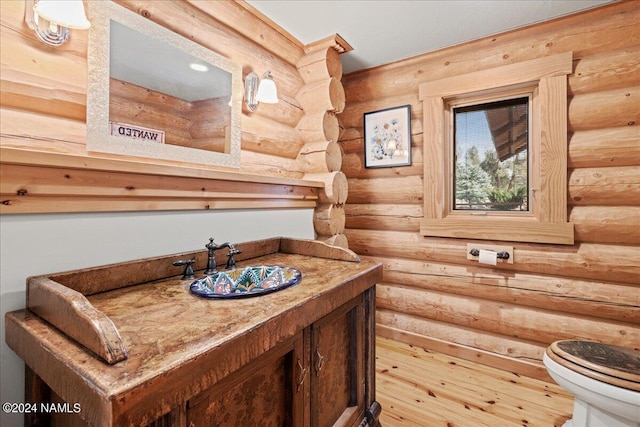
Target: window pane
491 144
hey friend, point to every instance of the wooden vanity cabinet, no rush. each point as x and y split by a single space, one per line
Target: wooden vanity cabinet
129 345
326 361
337 367
267 392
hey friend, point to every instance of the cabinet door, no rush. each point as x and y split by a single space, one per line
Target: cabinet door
267 392
337 364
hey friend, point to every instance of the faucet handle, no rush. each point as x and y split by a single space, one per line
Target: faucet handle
188 270
231 263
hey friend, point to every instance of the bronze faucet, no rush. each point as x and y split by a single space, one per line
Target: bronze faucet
212 266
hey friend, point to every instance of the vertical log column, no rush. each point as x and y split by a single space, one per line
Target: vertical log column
322 97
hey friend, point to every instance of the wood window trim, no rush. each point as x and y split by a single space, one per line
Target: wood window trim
547 220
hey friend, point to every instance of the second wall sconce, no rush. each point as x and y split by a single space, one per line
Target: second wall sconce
257 91
52 20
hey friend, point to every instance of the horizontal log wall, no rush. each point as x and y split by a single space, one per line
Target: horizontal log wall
43 110
431 294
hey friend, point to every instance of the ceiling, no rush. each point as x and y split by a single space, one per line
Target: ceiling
384 31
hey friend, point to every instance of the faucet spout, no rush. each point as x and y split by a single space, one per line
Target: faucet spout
212 266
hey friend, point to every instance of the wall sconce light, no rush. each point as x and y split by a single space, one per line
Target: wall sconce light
257 91
52 20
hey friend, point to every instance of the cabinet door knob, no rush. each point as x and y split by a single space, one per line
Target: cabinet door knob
319 361
302 374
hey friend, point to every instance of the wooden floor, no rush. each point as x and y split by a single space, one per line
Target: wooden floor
417 387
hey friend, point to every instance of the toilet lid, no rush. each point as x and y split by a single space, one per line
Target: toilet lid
614 365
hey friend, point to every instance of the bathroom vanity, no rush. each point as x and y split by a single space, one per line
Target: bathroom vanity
133 346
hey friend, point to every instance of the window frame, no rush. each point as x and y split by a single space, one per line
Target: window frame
546 79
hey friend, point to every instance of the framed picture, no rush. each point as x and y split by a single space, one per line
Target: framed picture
387 137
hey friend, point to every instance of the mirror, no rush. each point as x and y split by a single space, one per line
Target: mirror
154 93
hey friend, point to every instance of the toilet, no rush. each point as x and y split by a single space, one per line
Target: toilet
604 380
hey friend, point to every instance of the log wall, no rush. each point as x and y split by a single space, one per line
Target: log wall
322 98
431 294
43 122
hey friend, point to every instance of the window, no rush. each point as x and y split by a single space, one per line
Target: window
495 153
491 164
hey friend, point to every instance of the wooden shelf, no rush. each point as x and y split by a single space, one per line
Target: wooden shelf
47 182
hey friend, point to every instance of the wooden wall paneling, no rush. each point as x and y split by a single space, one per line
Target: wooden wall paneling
609 28
323 95
461 334
513 320
389 216
30 78
329 219
406 189
254 26
580 297
612 186
593 283
205 30
37 99
353 165
321 157
510 354
281 140
596 71
321 64
31 131
593 261
44 108
604 147
593 224
319 126
20 46
605 109
603 224
352 117
335 187
269 164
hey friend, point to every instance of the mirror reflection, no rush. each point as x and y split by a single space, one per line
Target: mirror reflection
185 100
491 144
154 93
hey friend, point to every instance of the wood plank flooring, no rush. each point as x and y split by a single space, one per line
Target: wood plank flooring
418 387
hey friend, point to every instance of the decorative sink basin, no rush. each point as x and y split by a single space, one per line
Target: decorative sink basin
246 282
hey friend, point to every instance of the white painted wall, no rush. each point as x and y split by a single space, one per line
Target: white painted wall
41 244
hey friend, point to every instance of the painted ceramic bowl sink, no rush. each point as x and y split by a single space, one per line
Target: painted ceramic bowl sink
246 282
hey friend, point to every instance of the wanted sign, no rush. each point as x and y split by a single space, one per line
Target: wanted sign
137 132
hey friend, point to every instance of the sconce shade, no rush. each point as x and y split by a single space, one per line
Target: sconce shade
267 91
66 13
